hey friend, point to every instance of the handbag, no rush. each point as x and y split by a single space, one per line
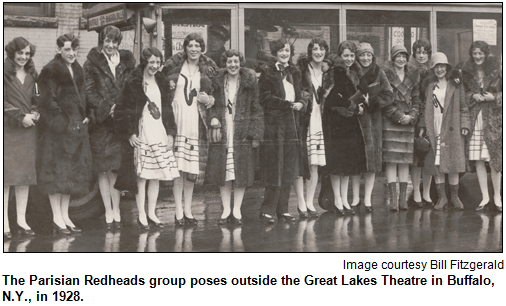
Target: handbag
422 145
153 109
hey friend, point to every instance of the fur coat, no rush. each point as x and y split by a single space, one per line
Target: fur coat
129 107
207 68
102 89
65 165
281 120
455 118
491 111
248 126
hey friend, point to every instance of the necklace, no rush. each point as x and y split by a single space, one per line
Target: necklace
191 74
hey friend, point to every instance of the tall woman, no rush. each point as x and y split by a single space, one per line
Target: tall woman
379 100
20 131
399 127
446 119
190 99
239 117
143 115
344 141
483 82
282 152
65 166
105 72
318 81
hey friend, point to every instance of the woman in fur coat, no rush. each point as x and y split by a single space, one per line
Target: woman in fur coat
144 117
105 72
379 100
344 142
283 155
65 166
20 130
239 117
483 83
446 120
399 127
191 97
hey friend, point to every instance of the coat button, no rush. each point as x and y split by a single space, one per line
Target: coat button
451 128
175 149
192 147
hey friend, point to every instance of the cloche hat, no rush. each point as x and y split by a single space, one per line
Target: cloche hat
364 47
399 49
439 58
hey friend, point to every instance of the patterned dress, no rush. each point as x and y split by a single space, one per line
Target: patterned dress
315 143
231 96
478 149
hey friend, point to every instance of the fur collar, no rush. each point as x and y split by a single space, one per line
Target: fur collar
136 79
371 72
57 70
491 66
248 78
411 72
175 63
97 58
10 69
270 68
423 68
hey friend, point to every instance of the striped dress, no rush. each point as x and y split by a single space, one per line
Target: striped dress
315 143
231 98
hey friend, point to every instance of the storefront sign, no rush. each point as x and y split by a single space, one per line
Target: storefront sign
111 18
180 31
486 30
397 36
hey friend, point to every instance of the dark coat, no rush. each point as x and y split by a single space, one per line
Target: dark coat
278 114
20 143
455 118
398 139
172 69
381 100
491 111
129 107
102 89
248 126
344 140
65 165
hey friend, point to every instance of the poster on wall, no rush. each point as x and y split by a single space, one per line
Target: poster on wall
180 31
486 30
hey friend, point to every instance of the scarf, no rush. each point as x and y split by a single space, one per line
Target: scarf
113 61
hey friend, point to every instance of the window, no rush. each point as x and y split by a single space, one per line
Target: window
29 9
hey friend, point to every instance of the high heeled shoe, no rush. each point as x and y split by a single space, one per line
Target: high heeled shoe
142 226
426 203
368 208
339 211
498 208
156 224
234 220
312 213
303 214
266 218
482 207
190 221
286 216
349 211
117 224
7 235
60 230
74 229
225 220
109 225
24 231
179 222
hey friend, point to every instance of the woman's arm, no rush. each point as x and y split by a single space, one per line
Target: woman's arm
51 113
95 99
267 100
256 124
124 113
465 116
415 103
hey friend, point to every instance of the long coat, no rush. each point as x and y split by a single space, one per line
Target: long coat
128 112
278 114
455 118
172 69
20 143
65 165
248 126
491 111
102 89
398 139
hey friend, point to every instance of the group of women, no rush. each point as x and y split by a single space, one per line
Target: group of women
184 120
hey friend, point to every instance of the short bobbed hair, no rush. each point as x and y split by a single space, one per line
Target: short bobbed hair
279 44
146 55
60 41
230 53
483 46
317 41
346 45
422 43
18 44
111 32
196 37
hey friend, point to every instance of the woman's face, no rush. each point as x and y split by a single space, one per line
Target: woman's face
317 53
193 50
421 55
21 57
365 59
110 46
68 53
233 65
440 70
348 57
153 65
400 60
478 56
283 54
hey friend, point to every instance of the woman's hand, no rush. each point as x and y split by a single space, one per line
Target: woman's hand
421 132
111 112
86 120
464 132
255 143
478 98
488 97
297 106
360 109
134 141
215 123
170 141
28 121
405 120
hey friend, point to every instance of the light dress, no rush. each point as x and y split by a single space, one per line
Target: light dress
154 159
440 93
478 149
231 96
315 143
186 147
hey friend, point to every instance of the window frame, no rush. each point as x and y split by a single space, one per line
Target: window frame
44 10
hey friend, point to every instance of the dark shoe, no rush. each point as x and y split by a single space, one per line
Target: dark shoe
482 207
190 221
24 231
109 226
179 222
303 214
454 191
403 205
427 203
142 226
223 221
358 204
234 220
266 218
60 230
159 224
416 204
74 229
286 216
392 188
498 208
349 211
339 212
312 213
117 224
7 235
441 191
368 208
